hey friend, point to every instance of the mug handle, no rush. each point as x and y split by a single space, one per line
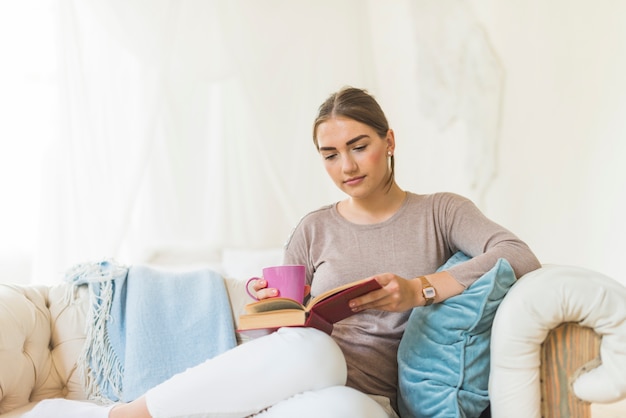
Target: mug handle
253 296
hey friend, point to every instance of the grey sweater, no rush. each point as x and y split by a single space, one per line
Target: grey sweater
416 240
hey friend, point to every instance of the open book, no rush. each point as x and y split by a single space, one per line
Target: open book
320 312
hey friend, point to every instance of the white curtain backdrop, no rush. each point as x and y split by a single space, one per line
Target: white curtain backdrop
175 130
186 124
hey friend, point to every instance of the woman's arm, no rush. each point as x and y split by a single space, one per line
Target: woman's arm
464 228
399 294
468 230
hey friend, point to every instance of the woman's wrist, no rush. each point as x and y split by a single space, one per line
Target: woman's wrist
428 292
436 287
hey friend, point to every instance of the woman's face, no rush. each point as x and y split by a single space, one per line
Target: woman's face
355 156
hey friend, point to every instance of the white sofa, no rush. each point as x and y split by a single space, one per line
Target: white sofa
42 332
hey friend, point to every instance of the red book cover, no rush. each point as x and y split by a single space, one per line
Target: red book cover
335 307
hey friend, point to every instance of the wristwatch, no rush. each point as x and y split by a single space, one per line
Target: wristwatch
428 291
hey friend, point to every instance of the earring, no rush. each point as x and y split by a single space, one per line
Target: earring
389 153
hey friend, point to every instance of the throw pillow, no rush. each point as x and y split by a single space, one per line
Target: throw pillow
443 358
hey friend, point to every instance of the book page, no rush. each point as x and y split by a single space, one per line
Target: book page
273 319
272 304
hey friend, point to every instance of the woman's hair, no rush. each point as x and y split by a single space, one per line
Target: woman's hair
359 105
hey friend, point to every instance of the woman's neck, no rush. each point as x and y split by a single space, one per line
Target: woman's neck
374 209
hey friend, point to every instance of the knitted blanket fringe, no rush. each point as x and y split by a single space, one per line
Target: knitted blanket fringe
97 352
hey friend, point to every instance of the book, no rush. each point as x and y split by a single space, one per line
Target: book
321 312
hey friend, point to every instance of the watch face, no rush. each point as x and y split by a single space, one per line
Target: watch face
429 292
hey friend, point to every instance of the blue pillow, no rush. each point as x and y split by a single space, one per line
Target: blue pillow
443 358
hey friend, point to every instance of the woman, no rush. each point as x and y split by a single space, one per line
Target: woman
378 230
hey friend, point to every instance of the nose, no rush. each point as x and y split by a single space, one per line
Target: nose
348 165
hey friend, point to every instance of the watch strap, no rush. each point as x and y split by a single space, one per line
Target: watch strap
428 291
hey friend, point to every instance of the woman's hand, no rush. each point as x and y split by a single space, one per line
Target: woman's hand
263 292
399 294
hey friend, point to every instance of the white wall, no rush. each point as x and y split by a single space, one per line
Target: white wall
559 180
562 185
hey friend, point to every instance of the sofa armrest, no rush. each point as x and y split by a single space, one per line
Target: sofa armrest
41 334
24 341
539 303
569 350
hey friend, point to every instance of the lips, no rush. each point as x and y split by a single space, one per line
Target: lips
354 181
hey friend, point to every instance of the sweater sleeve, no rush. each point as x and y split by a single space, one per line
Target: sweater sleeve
470 231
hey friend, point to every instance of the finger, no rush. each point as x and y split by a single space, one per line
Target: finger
367 301
267 293
259 284
384 304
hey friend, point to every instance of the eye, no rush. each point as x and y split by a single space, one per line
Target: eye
329 157
360 148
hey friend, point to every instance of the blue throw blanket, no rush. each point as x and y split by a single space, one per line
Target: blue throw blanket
145 325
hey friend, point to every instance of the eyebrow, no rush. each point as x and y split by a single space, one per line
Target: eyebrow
350 142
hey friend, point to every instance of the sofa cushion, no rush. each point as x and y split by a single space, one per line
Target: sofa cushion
443 357
39 361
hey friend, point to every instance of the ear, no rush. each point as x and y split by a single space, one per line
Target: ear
391 141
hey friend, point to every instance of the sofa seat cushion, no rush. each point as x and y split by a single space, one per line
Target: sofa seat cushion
17 413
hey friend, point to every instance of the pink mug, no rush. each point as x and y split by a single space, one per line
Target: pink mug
288 280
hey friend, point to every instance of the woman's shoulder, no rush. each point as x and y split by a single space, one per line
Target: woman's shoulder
320 213
317 216
312 221
438 198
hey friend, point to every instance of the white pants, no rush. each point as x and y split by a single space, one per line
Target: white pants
294 372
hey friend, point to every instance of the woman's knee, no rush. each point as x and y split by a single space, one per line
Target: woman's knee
317 355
